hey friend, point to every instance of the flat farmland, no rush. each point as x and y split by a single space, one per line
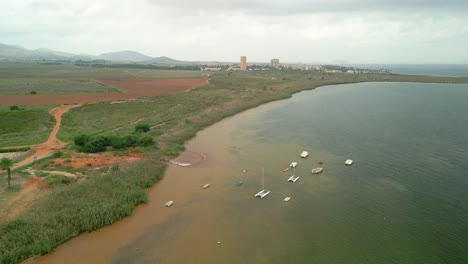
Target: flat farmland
17 86
131 88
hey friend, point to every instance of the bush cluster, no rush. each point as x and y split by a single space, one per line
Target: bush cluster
142 128
95 144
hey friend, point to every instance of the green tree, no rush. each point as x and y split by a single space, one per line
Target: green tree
14 108
142 128
7 163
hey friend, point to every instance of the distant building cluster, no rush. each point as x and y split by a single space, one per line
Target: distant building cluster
275 63
243 63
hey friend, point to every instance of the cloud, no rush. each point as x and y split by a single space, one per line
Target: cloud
360 31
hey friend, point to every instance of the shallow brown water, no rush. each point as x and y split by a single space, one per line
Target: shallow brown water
183 185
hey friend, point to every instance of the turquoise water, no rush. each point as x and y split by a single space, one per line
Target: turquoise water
404 200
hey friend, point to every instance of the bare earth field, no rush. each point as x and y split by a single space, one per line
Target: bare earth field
131 88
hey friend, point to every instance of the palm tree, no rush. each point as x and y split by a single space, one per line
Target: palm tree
7 163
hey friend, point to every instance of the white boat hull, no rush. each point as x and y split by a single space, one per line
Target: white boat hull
262 193
293 178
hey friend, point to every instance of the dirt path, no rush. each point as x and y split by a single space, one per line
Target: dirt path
44 149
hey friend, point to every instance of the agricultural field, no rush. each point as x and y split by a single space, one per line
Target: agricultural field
15 86
65 70
25 126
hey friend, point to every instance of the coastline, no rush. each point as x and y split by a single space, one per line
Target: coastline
182 136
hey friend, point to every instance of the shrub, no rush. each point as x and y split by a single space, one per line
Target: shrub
95 146
81 140
131 141
146 141
142 128
14 108
33 92
117 142
57 154
53 180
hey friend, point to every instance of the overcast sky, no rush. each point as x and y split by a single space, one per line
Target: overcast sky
325 31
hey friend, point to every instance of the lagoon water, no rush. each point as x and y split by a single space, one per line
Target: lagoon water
404 200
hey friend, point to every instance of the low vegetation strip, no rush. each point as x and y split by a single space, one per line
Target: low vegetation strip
132 88
10 150
76 208
16 86
104 199
26 126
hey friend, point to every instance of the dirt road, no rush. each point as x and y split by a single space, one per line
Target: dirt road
44 149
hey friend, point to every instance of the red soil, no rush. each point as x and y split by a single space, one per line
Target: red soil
98 160
131 88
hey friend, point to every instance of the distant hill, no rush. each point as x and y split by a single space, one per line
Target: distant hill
15 52
126 55
167 60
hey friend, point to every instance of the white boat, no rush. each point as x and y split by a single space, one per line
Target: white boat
348 162
304 154
206 186
317 170
263 192
293 164
287 199
169 203
293 178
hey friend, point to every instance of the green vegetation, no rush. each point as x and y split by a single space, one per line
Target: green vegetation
95 144
7 163
142 128
10 150
173 119
55 180
75 208
14 108
29 125
14 70
10 86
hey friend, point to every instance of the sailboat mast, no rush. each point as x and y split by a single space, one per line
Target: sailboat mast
263 178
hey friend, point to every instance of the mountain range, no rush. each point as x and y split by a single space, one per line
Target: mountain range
15 52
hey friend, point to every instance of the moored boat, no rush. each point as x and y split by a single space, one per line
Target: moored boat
317 170
239 182
293 164
304 154
348 162
170 203
287 199
206 186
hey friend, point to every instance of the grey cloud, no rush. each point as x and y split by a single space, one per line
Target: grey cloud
291 7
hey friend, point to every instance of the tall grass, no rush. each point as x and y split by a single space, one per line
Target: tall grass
81 207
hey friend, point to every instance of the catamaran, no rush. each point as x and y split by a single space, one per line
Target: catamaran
293 164
293 178
263 192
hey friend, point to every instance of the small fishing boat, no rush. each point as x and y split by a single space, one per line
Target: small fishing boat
293 164
320 162
317 170
206 186
304 154
170 203
287 199
239 182
285 169
348 162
